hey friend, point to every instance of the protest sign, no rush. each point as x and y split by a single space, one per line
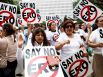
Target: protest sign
36 64
29 12
86 11
7 13
77 65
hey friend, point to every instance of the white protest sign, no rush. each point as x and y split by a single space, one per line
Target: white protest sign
86 11
29 12
7 13
36 64
53 18
77 65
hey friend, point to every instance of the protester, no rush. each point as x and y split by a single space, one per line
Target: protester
96 42
8 48
69 43
39 38
21 45
54 33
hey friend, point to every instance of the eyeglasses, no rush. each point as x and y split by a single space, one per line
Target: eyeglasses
101 33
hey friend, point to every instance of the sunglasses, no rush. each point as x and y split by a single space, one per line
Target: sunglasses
68 26
101 33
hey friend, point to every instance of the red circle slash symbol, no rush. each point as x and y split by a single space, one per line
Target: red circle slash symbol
30 16
41 68
77 67
7 18
88 13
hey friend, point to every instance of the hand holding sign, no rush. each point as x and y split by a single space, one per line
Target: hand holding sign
53 60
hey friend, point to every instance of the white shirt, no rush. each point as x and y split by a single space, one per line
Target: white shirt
95 37
48 34
73 47
53 38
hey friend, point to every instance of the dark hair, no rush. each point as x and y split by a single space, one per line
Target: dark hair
8 28
38 30
50 25
37 25
66 22
95 26
43 24
96 21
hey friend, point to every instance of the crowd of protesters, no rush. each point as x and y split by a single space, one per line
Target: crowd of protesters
68 38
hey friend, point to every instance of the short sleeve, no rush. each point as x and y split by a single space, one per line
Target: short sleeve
92 37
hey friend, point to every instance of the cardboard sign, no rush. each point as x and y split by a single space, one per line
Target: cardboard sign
29 13
86 11
77 65
36 64
7 13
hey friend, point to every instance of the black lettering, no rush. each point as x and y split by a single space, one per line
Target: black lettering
27 54
64 65
23 5
71 58
32 5
81 53
78 68
24 15
77 11
77 56
83 3
49 51
3 7
54 18
68 62
12 9
38 50
84 65
85 17
72 73
52 51
48 18
33 52
11 20
92 9
31 15
1 18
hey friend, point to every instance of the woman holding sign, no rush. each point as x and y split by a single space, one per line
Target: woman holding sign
39 39
70 43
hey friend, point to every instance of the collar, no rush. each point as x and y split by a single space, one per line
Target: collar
36 44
